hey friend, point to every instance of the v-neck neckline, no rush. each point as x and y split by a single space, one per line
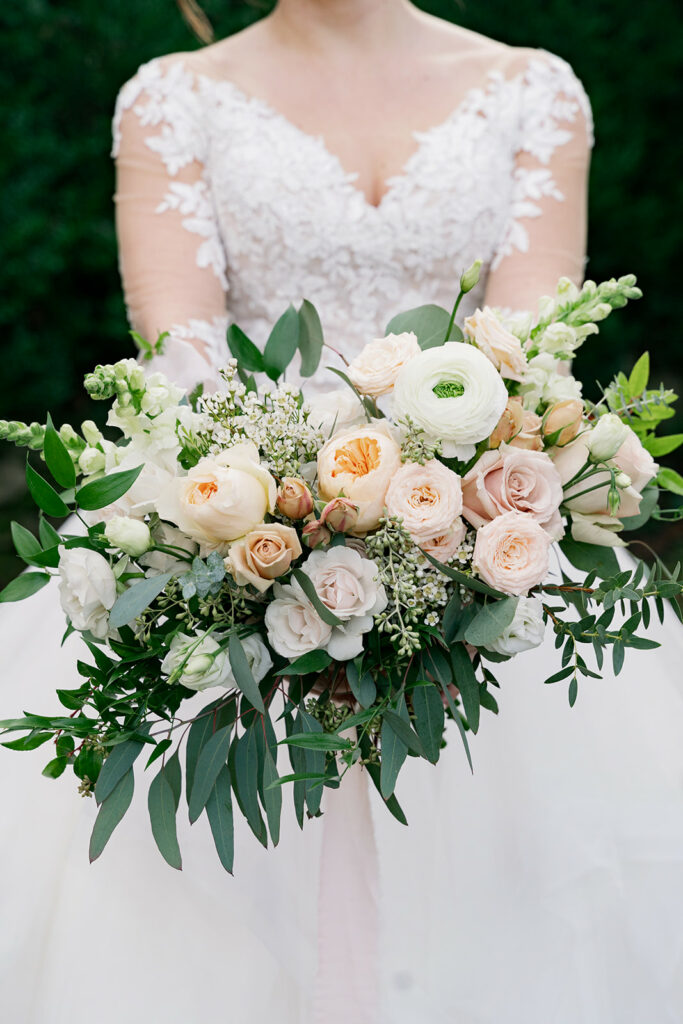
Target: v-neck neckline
472 96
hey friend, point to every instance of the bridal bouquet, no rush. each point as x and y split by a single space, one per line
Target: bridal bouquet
339 573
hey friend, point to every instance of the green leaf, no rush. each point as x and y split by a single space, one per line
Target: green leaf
248 356
640 374
24 542
618 652
31 742
491 621
460 577
313 760
317 741
658 446
54 768
648 504
136 599
394 752
243 674
312 661
117 764
282 344
110 814
272 796
363 687
590 556
306 584
24 586
219 813
310 338
161 747
44 494
404 732
246 780
298 777
428 323
174 774
212 758
57 458
467 684
429 719
200 730
49 537
573 692
162 810
368 403
106 490
670 480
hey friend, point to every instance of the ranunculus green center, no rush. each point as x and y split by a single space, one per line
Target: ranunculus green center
449 389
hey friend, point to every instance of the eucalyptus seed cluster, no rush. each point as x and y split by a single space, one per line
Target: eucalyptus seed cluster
330 715
415 446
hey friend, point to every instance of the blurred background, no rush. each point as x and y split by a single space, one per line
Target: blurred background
61 65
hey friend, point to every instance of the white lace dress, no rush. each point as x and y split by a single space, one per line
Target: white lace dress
547 888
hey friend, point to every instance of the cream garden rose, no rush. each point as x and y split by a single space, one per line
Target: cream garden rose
335 410
427 498
454 393
87 590
501 346
512 479
221 498
511 553
373 372
262 555
359 463
447 544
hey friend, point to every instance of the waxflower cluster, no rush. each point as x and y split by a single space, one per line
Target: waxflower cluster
339 571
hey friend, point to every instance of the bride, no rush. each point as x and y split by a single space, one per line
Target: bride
360 154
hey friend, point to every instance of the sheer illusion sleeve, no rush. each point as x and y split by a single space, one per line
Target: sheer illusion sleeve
171 257
545 236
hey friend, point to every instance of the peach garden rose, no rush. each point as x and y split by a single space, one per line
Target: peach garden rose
358 464
375 369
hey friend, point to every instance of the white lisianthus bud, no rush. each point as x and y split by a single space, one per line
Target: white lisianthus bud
470 277
623 480
606 438
92 460
132 536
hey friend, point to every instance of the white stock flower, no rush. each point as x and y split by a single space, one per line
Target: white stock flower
375 369
524 632
454 393
543 384
335 410
132 536
200 663
559 339
606 437
87 590
91 460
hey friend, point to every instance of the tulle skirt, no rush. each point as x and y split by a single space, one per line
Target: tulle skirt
544 888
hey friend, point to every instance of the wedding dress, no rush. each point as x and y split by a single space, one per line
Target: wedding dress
547 887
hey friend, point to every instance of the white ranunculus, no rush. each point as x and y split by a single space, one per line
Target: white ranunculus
606 437
200 663
544 384
132 536
335 410
87 590
221 498
454 393
524 632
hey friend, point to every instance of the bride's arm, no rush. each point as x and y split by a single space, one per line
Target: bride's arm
545 237
171 257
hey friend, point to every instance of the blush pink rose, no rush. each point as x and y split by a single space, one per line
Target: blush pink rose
512 553
514 480
427 498
447 544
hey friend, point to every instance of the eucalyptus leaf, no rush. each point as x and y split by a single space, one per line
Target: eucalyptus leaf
312 661
162 811
466 681
428 323
213 756
590 556
491 621
220 815
246 780
306 584
243 674
394 753
248 356
138 597
117 764
318 741
272 796
471 582
429 719
111 812
310 338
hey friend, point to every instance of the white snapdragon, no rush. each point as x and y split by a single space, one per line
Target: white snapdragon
543 384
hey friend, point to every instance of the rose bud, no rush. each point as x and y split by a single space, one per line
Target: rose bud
529 436
562 421
315 534
509 424
294 498
340 515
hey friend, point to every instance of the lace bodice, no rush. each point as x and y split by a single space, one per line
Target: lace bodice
227 211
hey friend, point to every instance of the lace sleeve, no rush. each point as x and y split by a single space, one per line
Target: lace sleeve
171 258
545 236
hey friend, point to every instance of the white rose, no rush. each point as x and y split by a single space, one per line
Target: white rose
130 535
202 663
221 498
543 384
635 461
606 437
374 371
335 410
524 632
87 590
498 344
294 627
454 393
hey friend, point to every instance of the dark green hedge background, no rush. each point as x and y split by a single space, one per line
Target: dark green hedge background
61 64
